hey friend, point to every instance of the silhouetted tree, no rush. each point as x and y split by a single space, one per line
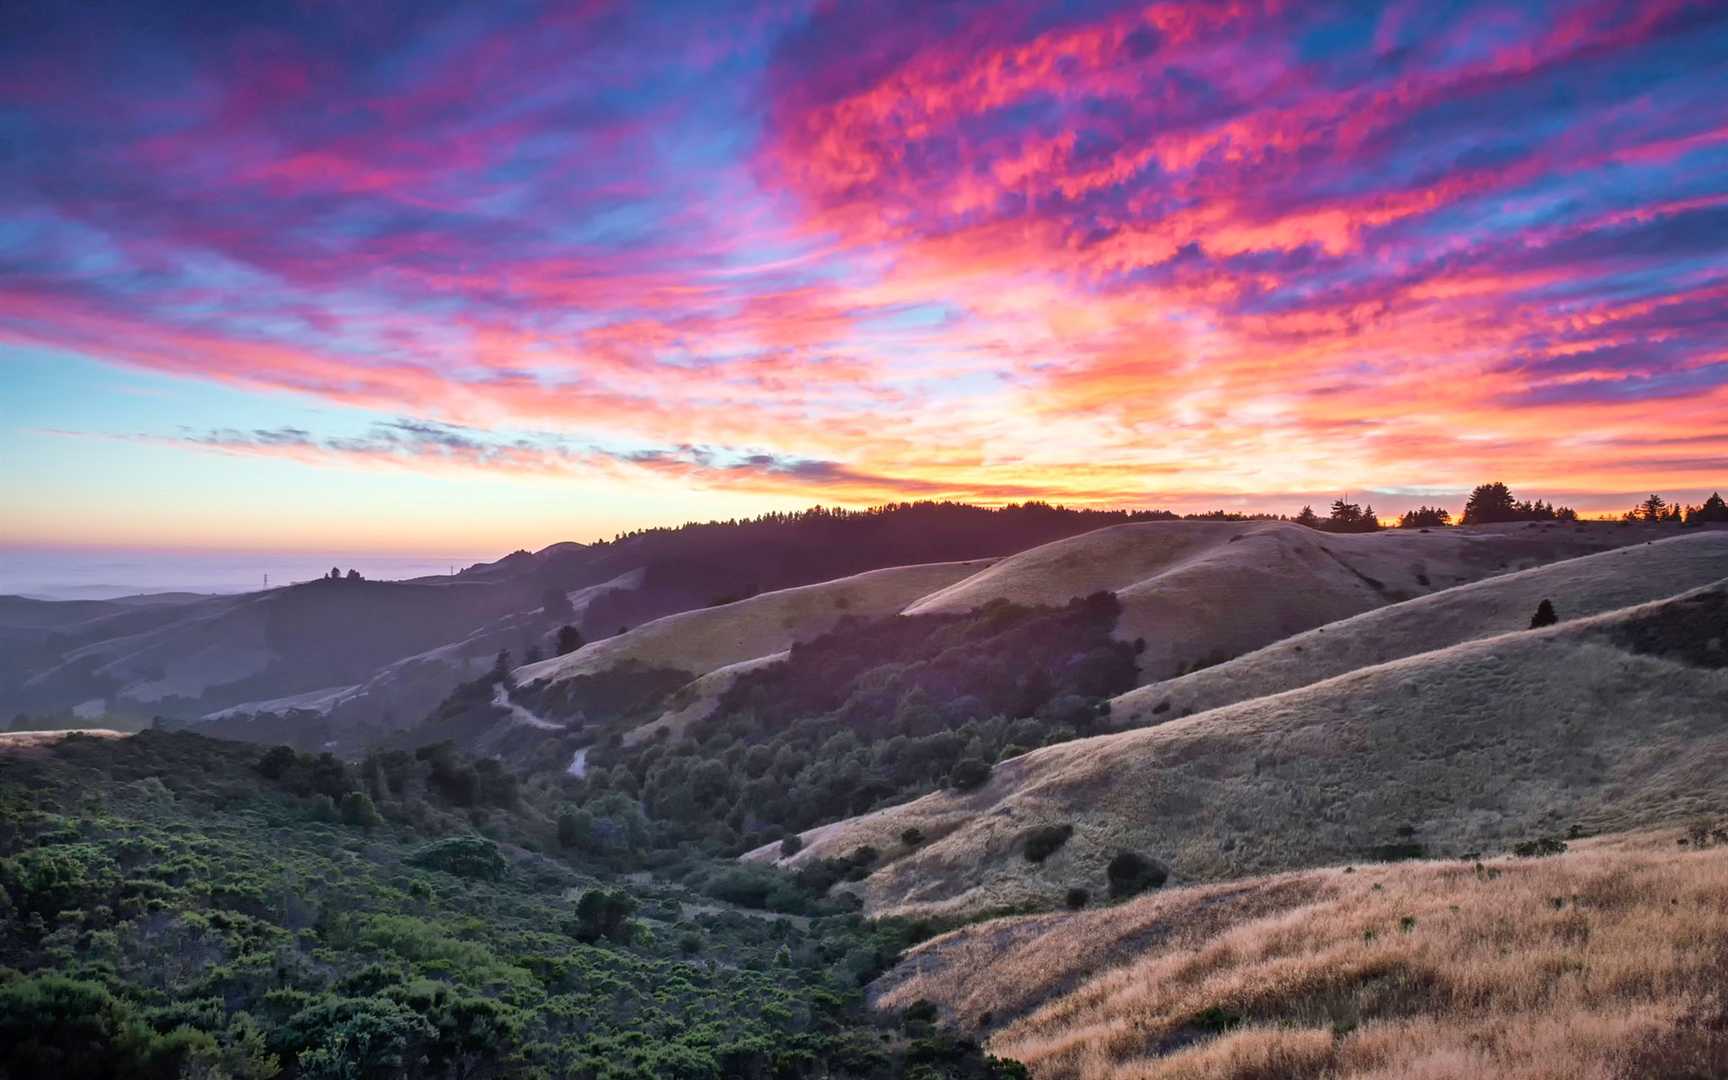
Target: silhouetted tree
1544 615
1713 510
501 665
354 575
335 573
1349 517
1425 517
1308 517
569 640
1490 503
1653 509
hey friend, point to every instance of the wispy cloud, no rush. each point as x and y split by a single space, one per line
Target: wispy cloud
433 447
995 250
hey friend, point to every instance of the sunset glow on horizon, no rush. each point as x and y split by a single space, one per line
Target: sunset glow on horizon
482 277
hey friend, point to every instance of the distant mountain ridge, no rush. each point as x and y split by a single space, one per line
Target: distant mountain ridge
345 653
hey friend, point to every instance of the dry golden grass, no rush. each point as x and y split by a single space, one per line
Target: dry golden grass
1581 587
20 741
1199 592
1606 722
705 639
1608 962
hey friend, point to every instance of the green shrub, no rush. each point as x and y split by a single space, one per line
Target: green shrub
969 774
604 914
1398 851
52 1026
357 810
790 845
47 880
276 762
1541 847
912 837
576 829
464 856
1077 898
1131 873
1042 841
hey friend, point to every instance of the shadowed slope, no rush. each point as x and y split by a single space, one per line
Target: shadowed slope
1611 722
1578 587
699 698
700 641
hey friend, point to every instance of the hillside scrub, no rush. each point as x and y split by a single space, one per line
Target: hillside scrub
871 713
1610 722
1603 963
172 905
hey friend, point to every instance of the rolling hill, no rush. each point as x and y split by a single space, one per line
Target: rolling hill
1609 723
1588 585
1603 961
1198 593
384 653
702 640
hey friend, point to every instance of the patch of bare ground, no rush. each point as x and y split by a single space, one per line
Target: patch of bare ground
1608 962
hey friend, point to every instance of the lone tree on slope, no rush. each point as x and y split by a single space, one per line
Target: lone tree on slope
1544 615
569 640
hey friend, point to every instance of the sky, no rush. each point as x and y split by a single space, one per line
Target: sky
429 278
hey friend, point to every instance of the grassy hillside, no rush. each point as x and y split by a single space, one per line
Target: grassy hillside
1603 962
1197 593
1611 722
174 906
607 688
873 712
187 660
205 655
402 693
1589 585
708 638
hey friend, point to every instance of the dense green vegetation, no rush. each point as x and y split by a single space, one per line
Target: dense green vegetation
174 906
873 713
